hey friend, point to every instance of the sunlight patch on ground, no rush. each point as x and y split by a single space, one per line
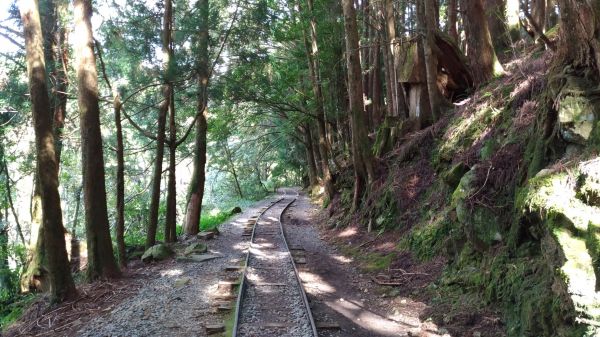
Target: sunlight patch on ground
342 258
347 233
360 315
315 283
385 246
171 272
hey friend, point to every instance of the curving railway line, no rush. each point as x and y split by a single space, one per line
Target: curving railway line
272 301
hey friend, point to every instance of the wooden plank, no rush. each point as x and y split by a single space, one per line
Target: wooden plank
275 325
266 284
214 328
327 326
300 260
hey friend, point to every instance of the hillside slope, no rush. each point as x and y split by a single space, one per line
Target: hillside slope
506 190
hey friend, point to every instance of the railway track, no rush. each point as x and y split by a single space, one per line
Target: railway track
272 301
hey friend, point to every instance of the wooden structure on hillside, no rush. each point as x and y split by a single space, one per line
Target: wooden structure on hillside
454 76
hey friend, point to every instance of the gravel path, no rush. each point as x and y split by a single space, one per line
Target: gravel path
272 304
178 301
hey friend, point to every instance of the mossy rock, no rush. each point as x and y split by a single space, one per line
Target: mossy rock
157 252
195 248
577 110
454 174
588 183
235 210
480 225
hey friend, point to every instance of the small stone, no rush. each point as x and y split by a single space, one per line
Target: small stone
157 253
197 258
195 248
182 282
206 235
476 334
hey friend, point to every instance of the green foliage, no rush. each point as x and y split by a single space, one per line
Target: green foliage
12 311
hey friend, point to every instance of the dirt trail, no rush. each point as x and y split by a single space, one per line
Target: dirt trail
339 292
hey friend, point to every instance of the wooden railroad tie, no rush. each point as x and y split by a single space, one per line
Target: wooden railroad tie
327 326
214 328
235 268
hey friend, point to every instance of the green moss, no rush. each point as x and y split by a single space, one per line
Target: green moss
427 242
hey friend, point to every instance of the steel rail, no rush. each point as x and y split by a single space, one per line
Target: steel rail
243 284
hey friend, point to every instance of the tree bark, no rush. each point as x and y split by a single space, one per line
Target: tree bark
171 216
120 230
389 70
579 35
61 283
232 169
364 171
452 20
196 189
496 18
56 57
480 50
538 13
399 99
162 121
101 261
310 158
312 55
428 26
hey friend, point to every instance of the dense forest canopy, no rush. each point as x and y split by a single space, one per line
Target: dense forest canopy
127 123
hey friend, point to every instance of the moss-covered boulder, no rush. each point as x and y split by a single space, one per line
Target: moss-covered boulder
454 174
157 252
578 110
481 226
235 210
570 245
588 183
195 248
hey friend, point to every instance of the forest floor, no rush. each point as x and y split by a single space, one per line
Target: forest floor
175 298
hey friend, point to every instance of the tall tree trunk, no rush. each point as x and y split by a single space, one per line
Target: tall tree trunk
101 261
495 11
232 169
316 154
551 14
35 277
75 247
120 230
162 121
171 217
56 57
312 54
428 26
399 99
480 49
452 20
389 70
376 92
579 34
310 158
61 283
196 190
364 171
538 13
